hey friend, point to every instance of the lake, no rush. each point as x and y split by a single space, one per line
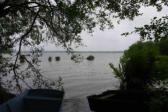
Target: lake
81 79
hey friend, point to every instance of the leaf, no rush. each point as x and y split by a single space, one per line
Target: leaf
116 71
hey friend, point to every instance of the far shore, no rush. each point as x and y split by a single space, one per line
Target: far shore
77 51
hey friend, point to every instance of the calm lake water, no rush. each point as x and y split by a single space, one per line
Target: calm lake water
81 79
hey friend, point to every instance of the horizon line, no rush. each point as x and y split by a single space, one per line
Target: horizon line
73 51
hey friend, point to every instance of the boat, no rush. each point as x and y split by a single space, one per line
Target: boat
35 100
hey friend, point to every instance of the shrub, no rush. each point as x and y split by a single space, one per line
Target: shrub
77 58
143 67
57 58
49 58
137 66
90 58
163 46
73 57
161 70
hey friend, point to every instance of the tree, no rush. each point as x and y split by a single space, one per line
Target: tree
142 66
163 46
30 22
137 66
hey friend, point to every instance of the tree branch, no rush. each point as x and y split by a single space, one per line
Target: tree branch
6 7
19 51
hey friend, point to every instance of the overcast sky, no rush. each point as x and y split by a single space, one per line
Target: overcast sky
111 40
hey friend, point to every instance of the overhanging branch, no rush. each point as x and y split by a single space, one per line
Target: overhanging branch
19 51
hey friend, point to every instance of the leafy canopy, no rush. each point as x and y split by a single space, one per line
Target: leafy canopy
63 20
141 66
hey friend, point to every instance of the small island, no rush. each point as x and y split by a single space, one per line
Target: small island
90 58
73 57
57 58
49 58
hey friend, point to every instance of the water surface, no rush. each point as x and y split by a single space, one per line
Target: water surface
81 79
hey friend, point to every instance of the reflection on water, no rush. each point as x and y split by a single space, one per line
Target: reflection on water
81 79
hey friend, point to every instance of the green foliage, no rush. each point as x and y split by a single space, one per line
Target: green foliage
73 57
77 58
90 58
117 72
120 74
156 30
49 58
143 67
159 101
139 62
57 58
63 21
163 46
161 68
137 65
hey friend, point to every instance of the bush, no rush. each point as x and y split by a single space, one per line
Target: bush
73 57
77 58
57 58
137 66
161 70
49 58
143 67
90 58
163 46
